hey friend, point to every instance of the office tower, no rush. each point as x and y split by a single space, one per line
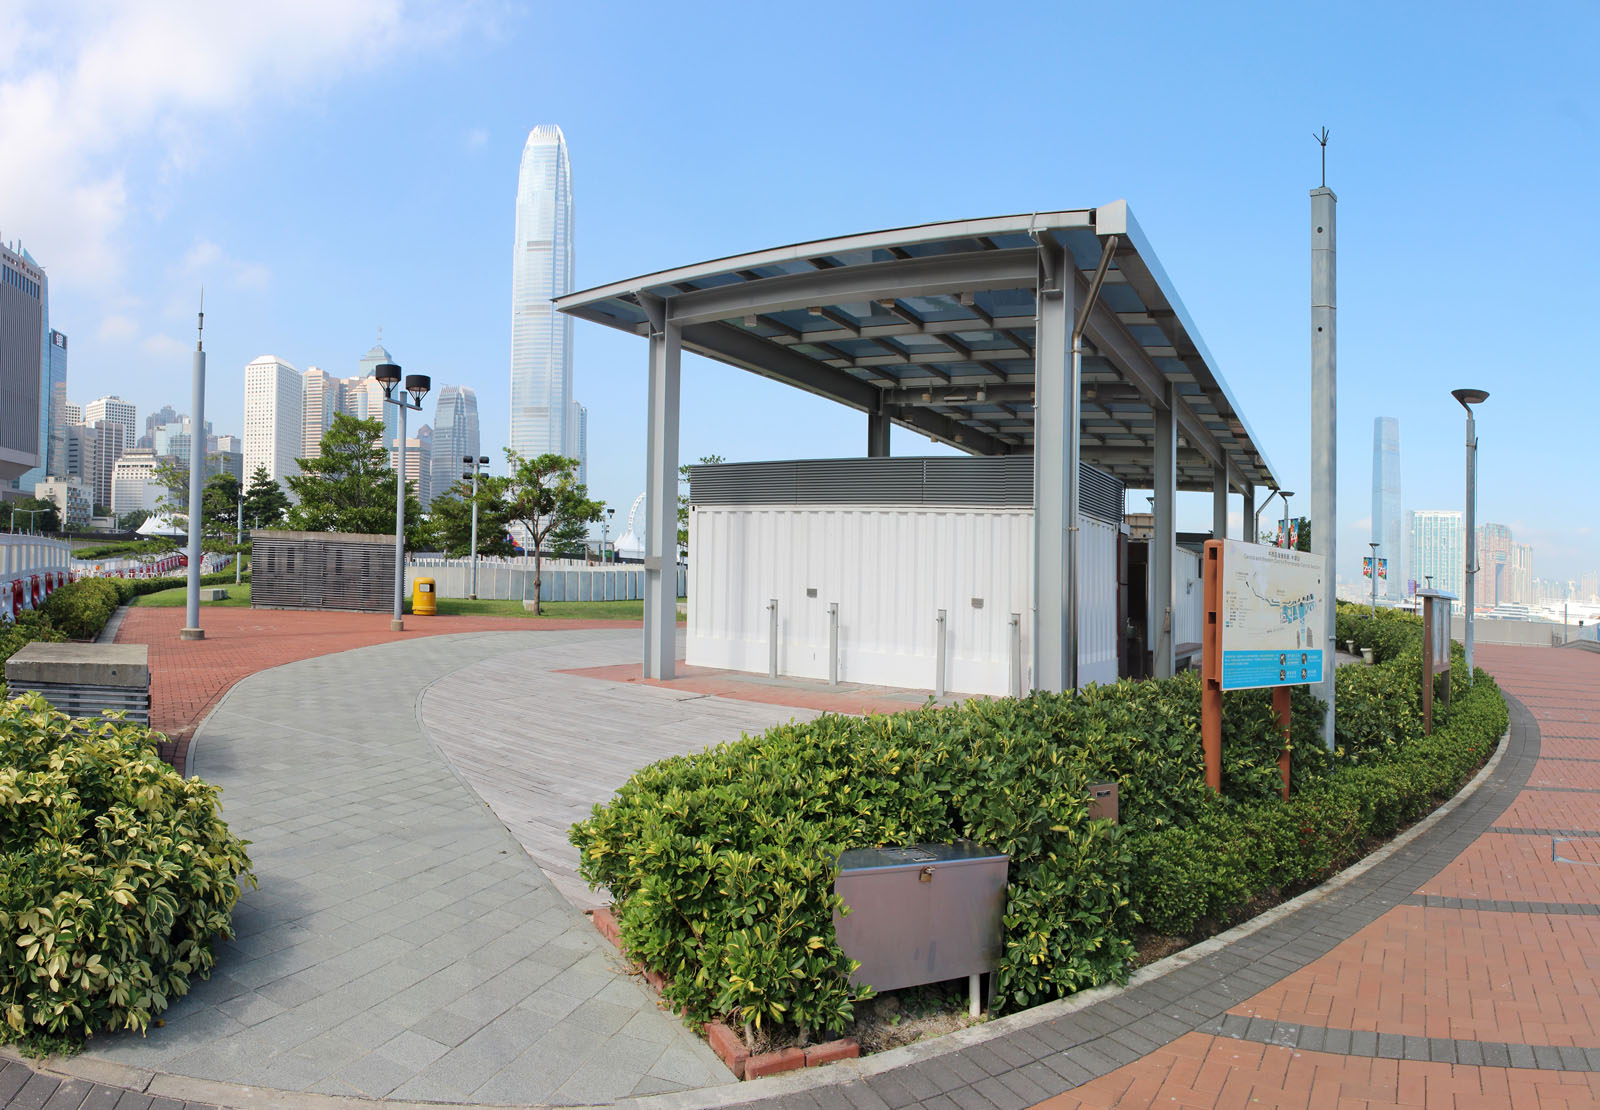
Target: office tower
1386 523
541 269
72 414
133 482
274 418
1494 565
166 415
1438 549
71 500
580 441
110 442
118 411
369 401
56 380
23 362
419 464
455 434
78 454
322 395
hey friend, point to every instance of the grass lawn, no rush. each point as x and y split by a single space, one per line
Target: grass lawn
178 596
569 610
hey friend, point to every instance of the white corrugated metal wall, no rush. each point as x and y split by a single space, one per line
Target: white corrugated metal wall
890 569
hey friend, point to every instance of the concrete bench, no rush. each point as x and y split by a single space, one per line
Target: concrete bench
213 593
82 679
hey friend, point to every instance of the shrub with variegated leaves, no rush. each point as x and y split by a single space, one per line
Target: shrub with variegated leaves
116 875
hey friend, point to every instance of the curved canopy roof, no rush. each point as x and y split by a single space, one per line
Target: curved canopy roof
935 327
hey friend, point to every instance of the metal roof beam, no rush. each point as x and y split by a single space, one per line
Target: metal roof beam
732 344
912 277
946 430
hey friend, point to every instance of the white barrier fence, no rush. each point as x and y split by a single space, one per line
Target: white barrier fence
511 580
31 569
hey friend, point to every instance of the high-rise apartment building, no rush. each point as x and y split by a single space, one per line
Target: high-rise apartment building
118 411
1493 586
1438 549
1521 576
1387 529
274 418
24 339
541 270
455 433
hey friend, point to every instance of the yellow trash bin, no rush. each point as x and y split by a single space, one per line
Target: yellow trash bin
423 601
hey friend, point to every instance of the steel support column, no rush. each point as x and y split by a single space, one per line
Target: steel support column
878 431
1219 501
1324 424
661 500
1249 518
1164 540
1055 436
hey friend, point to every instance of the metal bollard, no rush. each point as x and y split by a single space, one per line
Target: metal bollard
938 682
772 638
833 643
1016 654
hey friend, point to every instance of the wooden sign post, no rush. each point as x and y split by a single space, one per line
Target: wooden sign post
1435 649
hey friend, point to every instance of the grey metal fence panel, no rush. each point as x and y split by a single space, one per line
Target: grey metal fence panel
322 570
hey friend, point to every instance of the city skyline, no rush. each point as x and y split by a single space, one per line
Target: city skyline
130 223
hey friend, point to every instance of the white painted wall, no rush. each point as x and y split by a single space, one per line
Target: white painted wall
890 569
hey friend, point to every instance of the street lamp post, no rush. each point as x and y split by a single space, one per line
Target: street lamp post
416 388
31 514
475 463
1467 398
197 460
1284 540
1263 509
605 533
238 538
1374 545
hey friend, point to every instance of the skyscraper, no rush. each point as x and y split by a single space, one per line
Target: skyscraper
164 415
367 397
580 441
1438 549
1386 529
541 270
24 335
455 434
1494 585
322 395
274 418
118 411
54 451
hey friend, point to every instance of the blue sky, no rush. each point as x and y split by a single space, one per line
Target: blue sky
327 169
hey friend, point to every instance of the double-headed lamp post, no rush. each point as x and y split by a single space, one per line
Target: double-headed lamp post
475 463
1374 545
1468 398
1284 541
417 386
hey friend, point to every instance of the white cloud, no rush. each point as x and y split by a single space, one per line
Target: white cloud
163 347
476 138
89 91
118 328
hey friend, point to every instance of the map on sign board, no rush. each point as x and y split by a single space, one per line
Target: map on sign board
1274 615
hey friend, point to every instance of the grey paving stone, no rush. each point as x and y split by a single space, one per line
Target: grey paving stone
861 1096
1000 1096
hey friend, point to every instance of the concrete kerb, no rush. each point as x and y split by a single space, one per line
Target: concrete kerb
845 1071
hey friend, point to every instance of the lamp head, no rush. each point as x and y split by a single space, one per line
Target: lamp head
1470 397
388 376
1285 494
467 459
418 385
483 460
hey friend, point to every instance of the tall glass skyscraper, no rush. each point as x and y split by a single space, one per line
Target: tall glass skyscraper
541 270
455 434
1386 524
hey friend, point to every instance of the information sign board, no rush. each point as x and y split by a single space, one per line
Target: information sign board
1274 611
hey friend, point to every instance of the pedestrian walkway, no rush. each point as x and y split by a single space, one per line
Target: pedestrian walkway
1454 969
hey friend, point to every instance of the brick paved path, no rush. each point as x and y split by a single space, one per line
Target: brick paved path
187 677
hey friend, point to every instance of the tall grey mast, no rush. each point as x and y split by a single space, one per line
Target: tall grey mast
1324 415
197 458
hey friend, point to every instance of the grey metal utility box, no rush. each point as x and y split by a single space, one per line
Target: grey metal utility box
83 679
921 914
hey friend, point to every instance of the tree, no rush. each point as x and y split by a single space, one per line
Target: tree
683 499
545 494
130 521
350 488
450 517
265 503
570 540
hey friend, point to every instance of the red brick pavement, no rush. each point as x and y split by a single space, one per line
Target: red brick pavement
188 677
1501 977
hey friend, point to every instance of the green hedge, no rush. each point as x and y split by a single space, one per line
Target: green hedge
116 875
81 609
722 863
